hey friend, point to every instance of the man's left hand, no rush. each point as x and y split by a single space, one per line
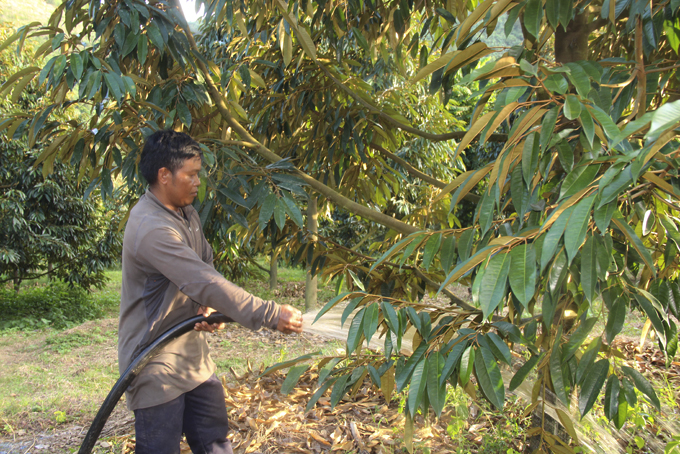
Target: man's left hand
205 326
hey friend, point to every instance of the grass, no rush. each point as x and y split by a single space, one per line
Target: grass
23 12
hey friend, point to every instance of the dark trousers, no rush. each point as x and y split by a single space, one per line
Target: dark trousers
200 414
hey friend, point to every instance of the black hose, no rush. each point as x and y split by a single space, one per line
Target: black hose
134 369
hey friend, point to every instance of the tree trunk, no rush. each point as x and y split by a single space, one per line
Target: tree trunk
311 281
572 44
17 281
49 271
273 269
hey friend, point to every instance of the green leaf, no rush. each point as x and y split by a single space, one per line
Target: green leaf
292 378
592 385
557 375
408 251
465 244
589 268
431 249
577 338
355 331
577 226
319 392
370 321
391 251
129 45
280 214
523 371
608 125
603 216
556 83
533 13
494 287
326 369
292 210
267 210
664 118
653 314
588 125
185 116
643 385
618 184
671 229
418 383
566 12
629 392
522 275
580 79
615 318
572 107
553 236
581 177
356 280
548 124
588 359
499 348
287 364
448 253
339 390
635 240
466 364
611 397
530 158
76 65
58 70
452 359
552 13
142 48
330 304
489 377
672 345
403 375
436 391
155 36
486 209
114 87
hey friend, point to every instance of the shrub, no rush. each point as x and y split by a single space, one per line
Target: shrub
56 305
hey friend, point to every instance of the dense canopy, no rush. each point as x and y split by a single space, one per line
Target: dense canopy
403 115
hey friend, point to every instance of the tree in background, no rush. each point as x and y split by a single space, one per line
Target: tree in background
575 220
47 224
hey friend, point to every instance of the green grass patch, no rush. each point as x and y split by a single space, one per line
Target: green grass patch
66 342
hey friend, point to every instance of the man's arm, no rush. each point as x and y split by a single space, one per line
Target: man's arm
164 250
290 320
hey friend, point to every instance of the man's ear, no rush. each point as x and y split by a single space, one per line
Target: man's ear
164 175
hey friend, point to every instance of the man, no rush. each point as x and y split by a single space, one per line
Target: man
168 277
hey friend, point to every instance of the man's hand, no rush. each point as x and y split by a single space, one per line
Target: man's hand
205 326
290 320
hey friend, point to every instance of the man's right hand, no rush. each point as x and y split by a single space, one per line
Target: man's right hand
290 320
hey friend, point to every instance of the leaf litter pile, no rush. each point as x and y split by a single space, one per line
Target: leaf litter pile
263 420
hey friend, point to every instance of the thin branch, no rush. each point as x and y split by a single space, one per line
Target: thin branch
657 70
409 168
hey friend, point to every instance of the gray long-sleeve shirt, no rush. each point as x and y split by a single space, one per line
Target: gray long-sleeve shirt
167 275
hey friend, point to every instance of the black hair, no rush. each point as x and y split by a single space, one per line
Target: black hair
169 149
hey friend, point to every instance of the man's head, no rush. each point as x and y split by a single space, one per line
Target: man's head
171 162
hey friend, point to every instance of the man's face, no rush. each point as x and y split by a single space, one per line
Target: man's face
183 186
